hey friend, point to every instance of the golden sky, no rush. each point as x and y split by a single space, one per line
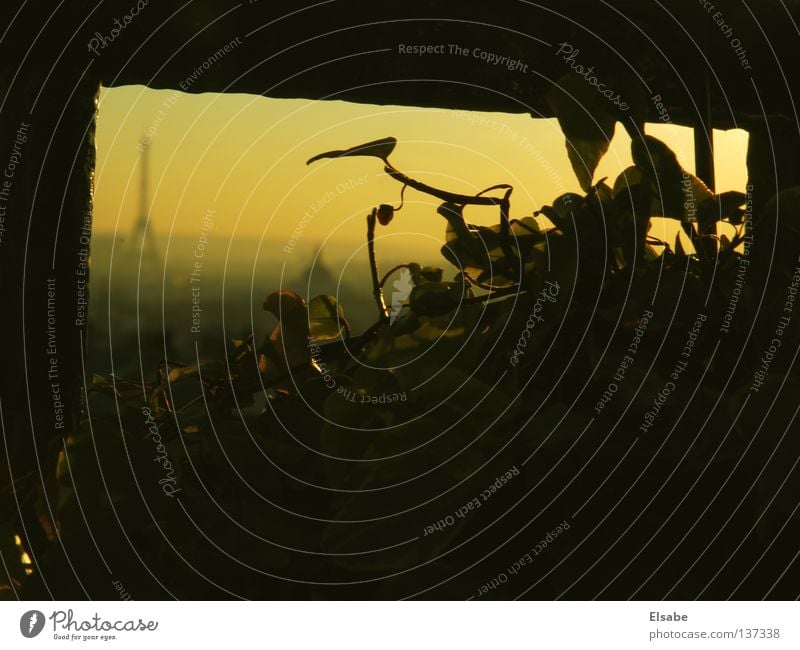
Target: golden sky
244 156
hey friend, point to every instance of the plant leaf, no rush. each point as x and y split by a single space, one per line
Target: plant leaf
432 299
378 148
584 156
679 249
478 251
587 122
326 320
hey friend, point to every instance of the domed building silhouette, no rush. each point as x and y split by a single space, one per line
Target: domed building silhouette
350 287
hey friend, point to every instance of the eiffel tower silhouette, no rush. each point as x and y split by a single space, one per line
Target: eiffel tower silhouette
142 236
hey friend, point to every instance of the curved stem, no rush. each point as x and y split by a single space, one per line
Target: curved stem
402 194
391 271
500 186
497 293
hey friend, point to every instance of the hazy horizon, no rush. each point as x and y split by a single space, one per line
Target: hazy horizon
242 159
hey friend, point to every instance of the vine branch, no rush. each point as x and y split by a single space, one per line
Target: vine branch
377 291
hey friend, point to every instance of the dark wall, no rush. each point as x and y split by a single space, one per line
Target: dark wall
329 50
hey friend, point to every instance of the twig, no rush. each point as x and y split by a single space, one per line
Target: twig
451 197
505 228
383 312
655 241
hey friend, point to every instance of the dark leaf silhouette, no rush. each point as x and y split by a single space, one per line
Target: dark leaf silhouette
377 148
